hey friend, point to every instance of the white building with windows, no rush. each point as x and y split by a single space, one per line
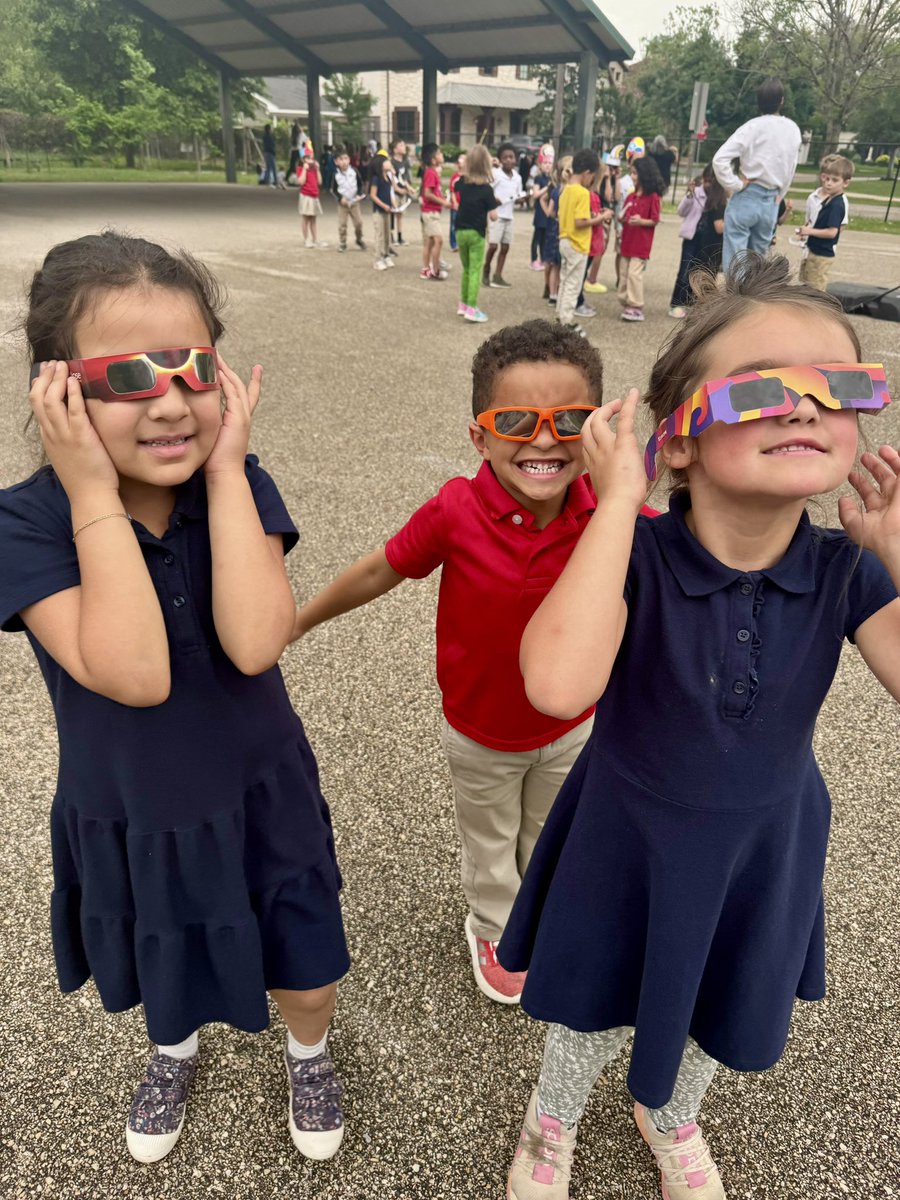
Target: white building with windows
492 102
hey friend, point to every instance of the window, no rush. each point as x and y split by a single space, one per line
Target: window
523 72
517 122
406 124
491 71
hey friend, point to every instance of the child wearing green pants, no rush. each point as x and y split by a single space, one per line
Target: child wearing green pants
477 205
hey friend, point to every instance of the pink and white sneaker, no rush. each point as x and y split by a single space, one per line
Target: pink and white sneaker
687 1171
537 265
497 983
542 1166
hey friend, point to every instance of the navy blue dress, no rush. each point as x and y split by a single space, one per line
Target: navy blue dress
677 883
193 857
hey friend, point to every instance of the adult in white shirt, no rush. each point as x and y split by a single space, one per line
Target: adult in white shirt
768 148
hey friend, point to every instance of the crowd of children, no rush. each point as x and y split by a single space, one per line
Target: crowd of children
611 887
580 204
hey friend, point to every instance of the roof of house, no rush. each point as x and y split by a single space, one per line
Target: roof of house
287 94
485 95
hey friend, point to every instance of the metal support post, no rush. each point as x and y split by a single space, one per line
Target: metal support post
227 116
429 104
586 104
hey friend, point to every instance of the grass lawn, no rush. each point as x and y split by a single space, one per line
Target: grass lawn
857 223
59 173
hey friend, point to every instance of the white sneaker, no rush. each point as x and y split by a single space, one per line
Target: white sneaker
687 1171
381 264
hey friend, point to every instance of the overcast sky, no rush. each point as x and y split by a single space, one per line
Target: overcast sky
638 20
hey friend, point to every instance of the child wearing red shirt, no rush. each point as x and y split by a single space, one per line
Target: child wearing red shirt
640 216
501 539
309 205
433 202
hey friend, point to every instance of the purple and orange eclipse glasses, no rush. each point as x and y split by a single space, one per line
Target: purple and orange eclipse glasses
143 373
770 394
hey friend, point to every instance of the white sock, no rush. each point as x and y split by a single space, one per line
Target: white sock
186 1049
298 1050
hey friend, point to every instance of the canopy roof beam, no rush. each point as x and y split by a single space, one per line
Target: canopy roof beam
252 16
396 24
578 30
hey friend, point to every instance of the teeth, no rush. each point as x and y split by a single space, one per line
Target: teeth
541 468
794 450
167 442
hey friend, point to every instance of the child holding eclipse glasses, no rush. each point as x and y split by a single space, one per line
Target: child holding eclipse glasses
192 850
676 890
500 539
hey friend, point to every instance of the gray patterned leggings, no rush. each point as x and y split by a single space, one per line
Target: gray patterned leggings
573 1062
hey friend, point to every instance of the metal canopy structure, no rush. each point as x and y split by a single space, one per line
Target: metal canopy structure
320 37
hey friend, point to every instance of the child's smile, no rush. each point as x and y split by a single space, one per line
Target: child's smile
162 440
537 474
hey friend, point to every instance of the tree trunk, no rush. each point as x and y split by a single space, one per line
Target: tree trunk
129 155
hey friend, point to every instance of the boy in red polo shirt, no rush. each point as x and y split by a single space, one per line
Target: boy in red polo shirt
502 540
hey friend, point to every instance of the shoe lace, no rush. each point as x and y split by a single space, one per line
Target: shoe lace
678 1161
487 952
547 1148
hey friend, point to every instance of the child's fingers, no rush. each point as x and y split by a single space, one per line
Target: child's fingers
865 488
47 393
75 399
255 386
625 423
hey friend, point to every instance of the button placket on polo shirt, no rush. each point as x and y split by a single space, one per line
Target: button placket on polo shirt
738 649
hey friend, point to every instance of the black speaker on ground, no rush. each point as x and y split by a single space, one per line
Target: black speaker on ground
868 300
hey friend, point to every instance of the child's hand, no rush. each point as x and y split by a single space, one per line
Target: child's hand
878 528
613 457
72 443
234 433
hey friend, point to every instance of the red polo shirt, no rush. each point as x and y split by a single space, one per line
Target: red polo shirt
497 568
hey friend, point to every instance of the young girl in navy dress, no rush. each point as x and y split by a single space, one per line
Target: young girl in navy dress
193 857
676 889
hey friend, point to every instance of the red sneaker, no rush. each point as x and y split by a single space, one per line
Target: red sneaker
497 983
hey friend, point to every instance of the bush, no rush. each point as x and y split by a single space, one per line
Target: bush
883 159
451 152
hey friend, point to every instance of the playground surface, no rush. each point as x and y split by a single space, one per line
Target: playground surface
363 417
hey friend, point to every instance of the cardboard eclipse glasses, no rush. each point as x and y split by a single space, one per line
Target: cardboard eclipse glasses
142 374
772 393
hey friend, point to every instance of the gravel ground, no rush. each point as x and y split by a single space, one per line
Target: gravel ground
436 1075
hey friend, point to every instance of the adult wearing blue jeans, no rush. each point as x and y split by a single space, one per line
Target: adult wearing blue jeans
767 148
271 172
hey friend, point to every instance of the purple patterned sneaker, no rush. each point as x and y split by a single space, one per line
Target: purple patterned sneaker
315 1118
158 1107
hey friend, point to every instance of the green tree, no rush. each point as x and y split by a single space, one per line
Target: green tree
348 95
847 50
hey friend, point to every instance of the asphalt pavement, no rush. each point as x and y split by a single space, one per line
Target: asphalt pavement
363 417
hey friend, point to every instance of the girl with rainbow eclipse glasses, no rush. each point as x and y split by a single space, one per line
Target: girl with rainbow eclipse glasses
676 890
192 850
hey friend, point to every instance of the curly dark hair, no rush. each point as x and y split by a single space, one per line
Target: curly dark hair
75 272
533 341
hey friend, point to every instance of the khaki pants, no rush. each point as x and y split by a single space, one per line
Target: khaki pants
381 223
814 270
355 216
631 282
502 801
571 277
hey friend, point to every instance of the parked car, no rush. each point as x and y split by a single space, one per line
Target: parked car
525 143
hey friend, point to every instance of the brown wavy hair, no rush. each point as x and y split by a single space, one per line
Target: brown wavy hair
751 282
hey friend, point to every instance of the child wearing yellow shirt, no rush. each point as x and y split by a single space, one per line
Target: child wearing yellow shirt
575 222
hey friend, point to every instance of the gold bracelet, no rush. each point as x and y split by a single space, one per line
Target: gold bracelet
94 521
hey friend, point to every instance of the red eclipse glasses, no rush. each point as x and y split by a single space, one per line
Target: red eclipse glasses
143 373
